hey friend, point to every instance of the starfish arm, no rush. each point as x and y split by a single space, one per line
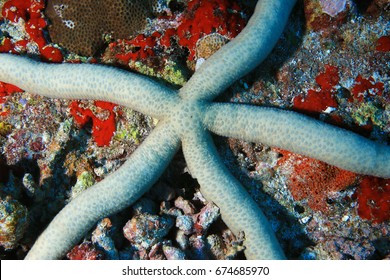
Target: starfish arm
114 193
238 210
300 134
243 53
88 81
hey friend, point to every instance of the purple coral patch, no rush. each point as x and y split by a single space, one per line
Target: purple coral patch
333 7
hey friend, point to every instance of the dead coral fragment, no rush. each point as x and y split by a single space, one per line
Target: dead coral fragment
209 44
145 230
79 25
85 251
13 222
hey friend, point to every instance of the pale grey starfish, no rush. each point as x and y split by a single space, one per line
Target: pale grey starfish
186 117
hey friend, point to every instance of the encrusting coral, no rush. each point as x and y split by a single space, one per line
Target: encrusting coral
79 26
186 116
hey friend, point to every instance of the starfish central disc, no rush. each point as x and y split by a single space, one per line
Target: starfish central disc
187 117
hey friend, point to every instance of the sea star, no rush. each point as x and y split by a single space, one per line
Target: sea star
186 117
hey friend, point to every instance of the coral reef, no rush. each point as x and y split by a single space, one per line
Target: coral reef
80 26
178 229
330 72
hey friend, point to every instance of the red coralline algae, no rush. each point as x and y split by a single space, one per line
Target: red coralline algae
383 44
205 17
7 46
31 13
141 47
103 127
166 39
313 180
7 89
51 54
15 9
201 18
373 196
329 79
364 88
85 251
317 101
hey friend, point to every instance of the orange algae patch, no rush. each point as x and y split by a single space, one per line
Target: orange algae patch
316 101
314 180
103 125
373 196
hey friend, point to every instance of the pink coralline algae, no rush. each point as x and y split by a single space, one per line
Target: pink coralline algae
325 15
333 7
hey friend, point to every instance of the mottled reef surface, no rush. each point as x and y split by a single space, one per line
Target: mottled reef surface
332 63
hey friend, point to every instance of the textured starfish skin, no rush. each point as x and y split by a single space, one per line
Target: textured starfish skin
186 117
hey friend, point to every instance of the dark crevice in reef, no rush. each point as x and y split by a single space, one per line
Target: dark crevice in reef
47 196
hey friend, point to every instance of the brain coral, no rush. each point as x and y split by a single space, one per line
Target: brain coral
79 25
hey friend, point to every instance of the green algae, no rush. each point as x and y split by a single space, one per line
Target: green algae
129 132
5 128
172 72
84 181
366 112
